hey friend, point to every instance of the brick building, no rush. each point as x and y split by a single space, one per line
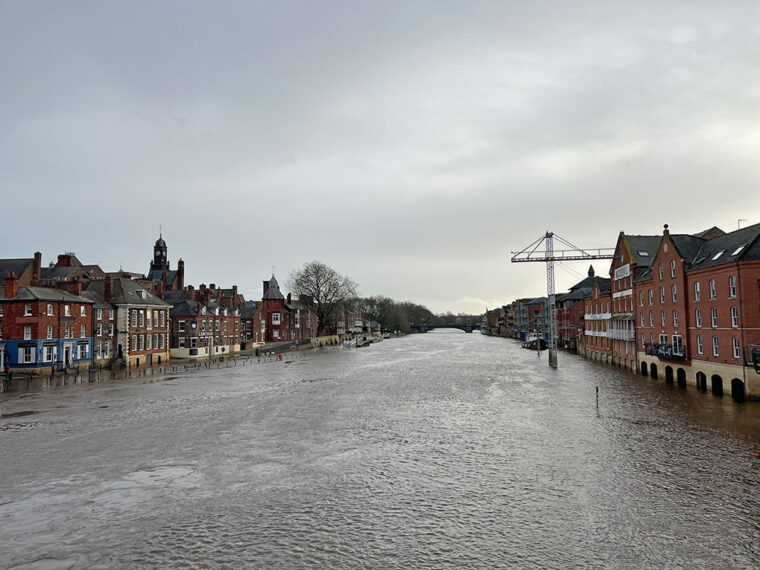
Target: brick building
597 317
705 315
42 328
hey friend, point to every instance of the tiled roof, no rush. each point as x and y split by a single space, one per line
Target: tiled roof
127 292
17 266
45 294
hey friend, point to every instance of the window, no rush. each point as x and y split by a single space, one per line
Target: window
735 344
663 339
110 314
67 310
712 288
1 333
82 311
162 340
83 350
674 292
738 250
27 354
67 331
216 324
155 340
651 319
134 342
149 318
697 291
643 340
641 298
662 318
717 255
134 317
142 342
49 355
715 346
148 343
699 317
673 268
732 286
714 317
98 329
734 317
275 318
50 310
700 348
650 296
100 314
675 318
677 344
662 295
182 342
142 318
49 332
276 334
203 326
163 318
28 332
110 329
660 271
100 349
642 318
82 331
181 325
27 309
105 350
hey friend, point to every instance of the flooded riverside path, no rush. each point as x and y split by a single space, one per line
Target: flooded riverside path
439 450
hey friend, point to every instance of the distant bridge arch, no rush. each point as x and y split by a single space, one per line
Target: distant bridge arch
422 328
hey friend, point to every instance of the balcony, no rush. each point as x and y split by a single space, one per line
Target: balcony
664 351
622 334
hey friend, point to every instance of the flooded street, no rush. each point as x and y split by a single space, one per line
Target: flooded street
438 450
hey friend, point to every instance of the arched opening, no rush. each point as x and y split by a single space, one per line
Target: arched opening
701 381
643 368
717 385
669 374
137 363
681 377
159 359
737 390
653 371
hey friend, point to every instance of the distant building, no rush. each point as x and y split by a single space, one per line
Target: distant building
160 270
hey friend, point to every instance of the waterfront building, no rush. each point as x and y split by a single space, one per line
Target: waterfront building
708 332
633 257
160 270
43 328
571 308
142 320
596 321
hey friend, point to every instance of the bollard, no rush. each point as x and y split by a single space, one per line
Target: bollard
597 397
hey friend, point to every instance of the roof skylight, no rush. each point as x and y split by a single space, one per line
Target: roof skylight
738 249
717 255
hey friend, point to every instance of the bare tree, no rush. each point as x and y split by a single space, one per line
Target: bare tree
323 290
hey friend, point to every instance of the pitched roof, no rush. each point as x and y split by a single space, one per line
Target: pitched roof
97 298
273 292
17 266
643 248
739 245
45 294
127 292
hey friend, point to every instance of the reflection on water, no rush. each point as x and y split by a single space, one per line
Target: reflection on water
439 450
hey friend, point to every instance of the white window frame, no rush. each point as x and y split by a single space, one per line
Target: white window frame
712 289
27 309
275 318
660 272
714 317
82 331
662 295
674 292
735 345
675 317
672 267
27 332
663 319
651 296
732 286
734 317
82 311
698 315
716 347
697 291
50 310
67 310
700 346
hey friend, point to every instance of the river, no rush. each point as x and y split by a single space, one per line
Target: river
440 450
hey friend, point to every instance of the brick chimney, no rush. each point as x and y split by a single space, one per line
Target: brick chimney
266 286
212 286
76 287
64 260
180 274
234 296
190 292
11 285
37 268
108 289
288 298
160 290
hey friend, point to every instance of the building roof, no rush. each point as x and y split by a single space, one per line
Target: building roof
97 298
576 294
186 308
158 275
127 292
643 249
273 292
45 294
739 245
17 266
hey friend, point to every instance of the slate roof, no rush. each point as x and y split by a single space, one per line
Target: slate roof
273 292
186 308
605 285
173 296
98 299
127 292
576 294
45 294
643 248
158 275
739 245
17 266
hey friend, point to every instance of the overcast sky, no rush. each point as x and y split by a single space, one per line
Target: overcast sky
410 145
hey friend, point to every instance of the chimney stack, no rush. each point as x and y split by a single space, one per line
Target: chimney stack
190 292
76 287
37 269
108 289
266 286
160 290
212 286
180 274
288 298
11 285
234 296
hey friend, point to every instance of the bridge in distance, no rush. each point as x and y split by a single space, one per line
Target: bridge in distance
422 328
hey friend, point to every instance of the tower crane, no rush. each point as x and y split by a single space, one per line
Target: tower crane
547 254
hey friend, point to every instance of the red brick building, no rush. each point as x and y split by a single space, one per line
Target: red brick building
597 317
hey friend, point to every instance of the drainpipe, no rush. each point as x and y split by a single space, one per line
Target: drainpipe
741 326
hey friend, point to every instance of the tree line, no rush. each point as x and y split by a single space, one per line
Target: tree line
324 290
